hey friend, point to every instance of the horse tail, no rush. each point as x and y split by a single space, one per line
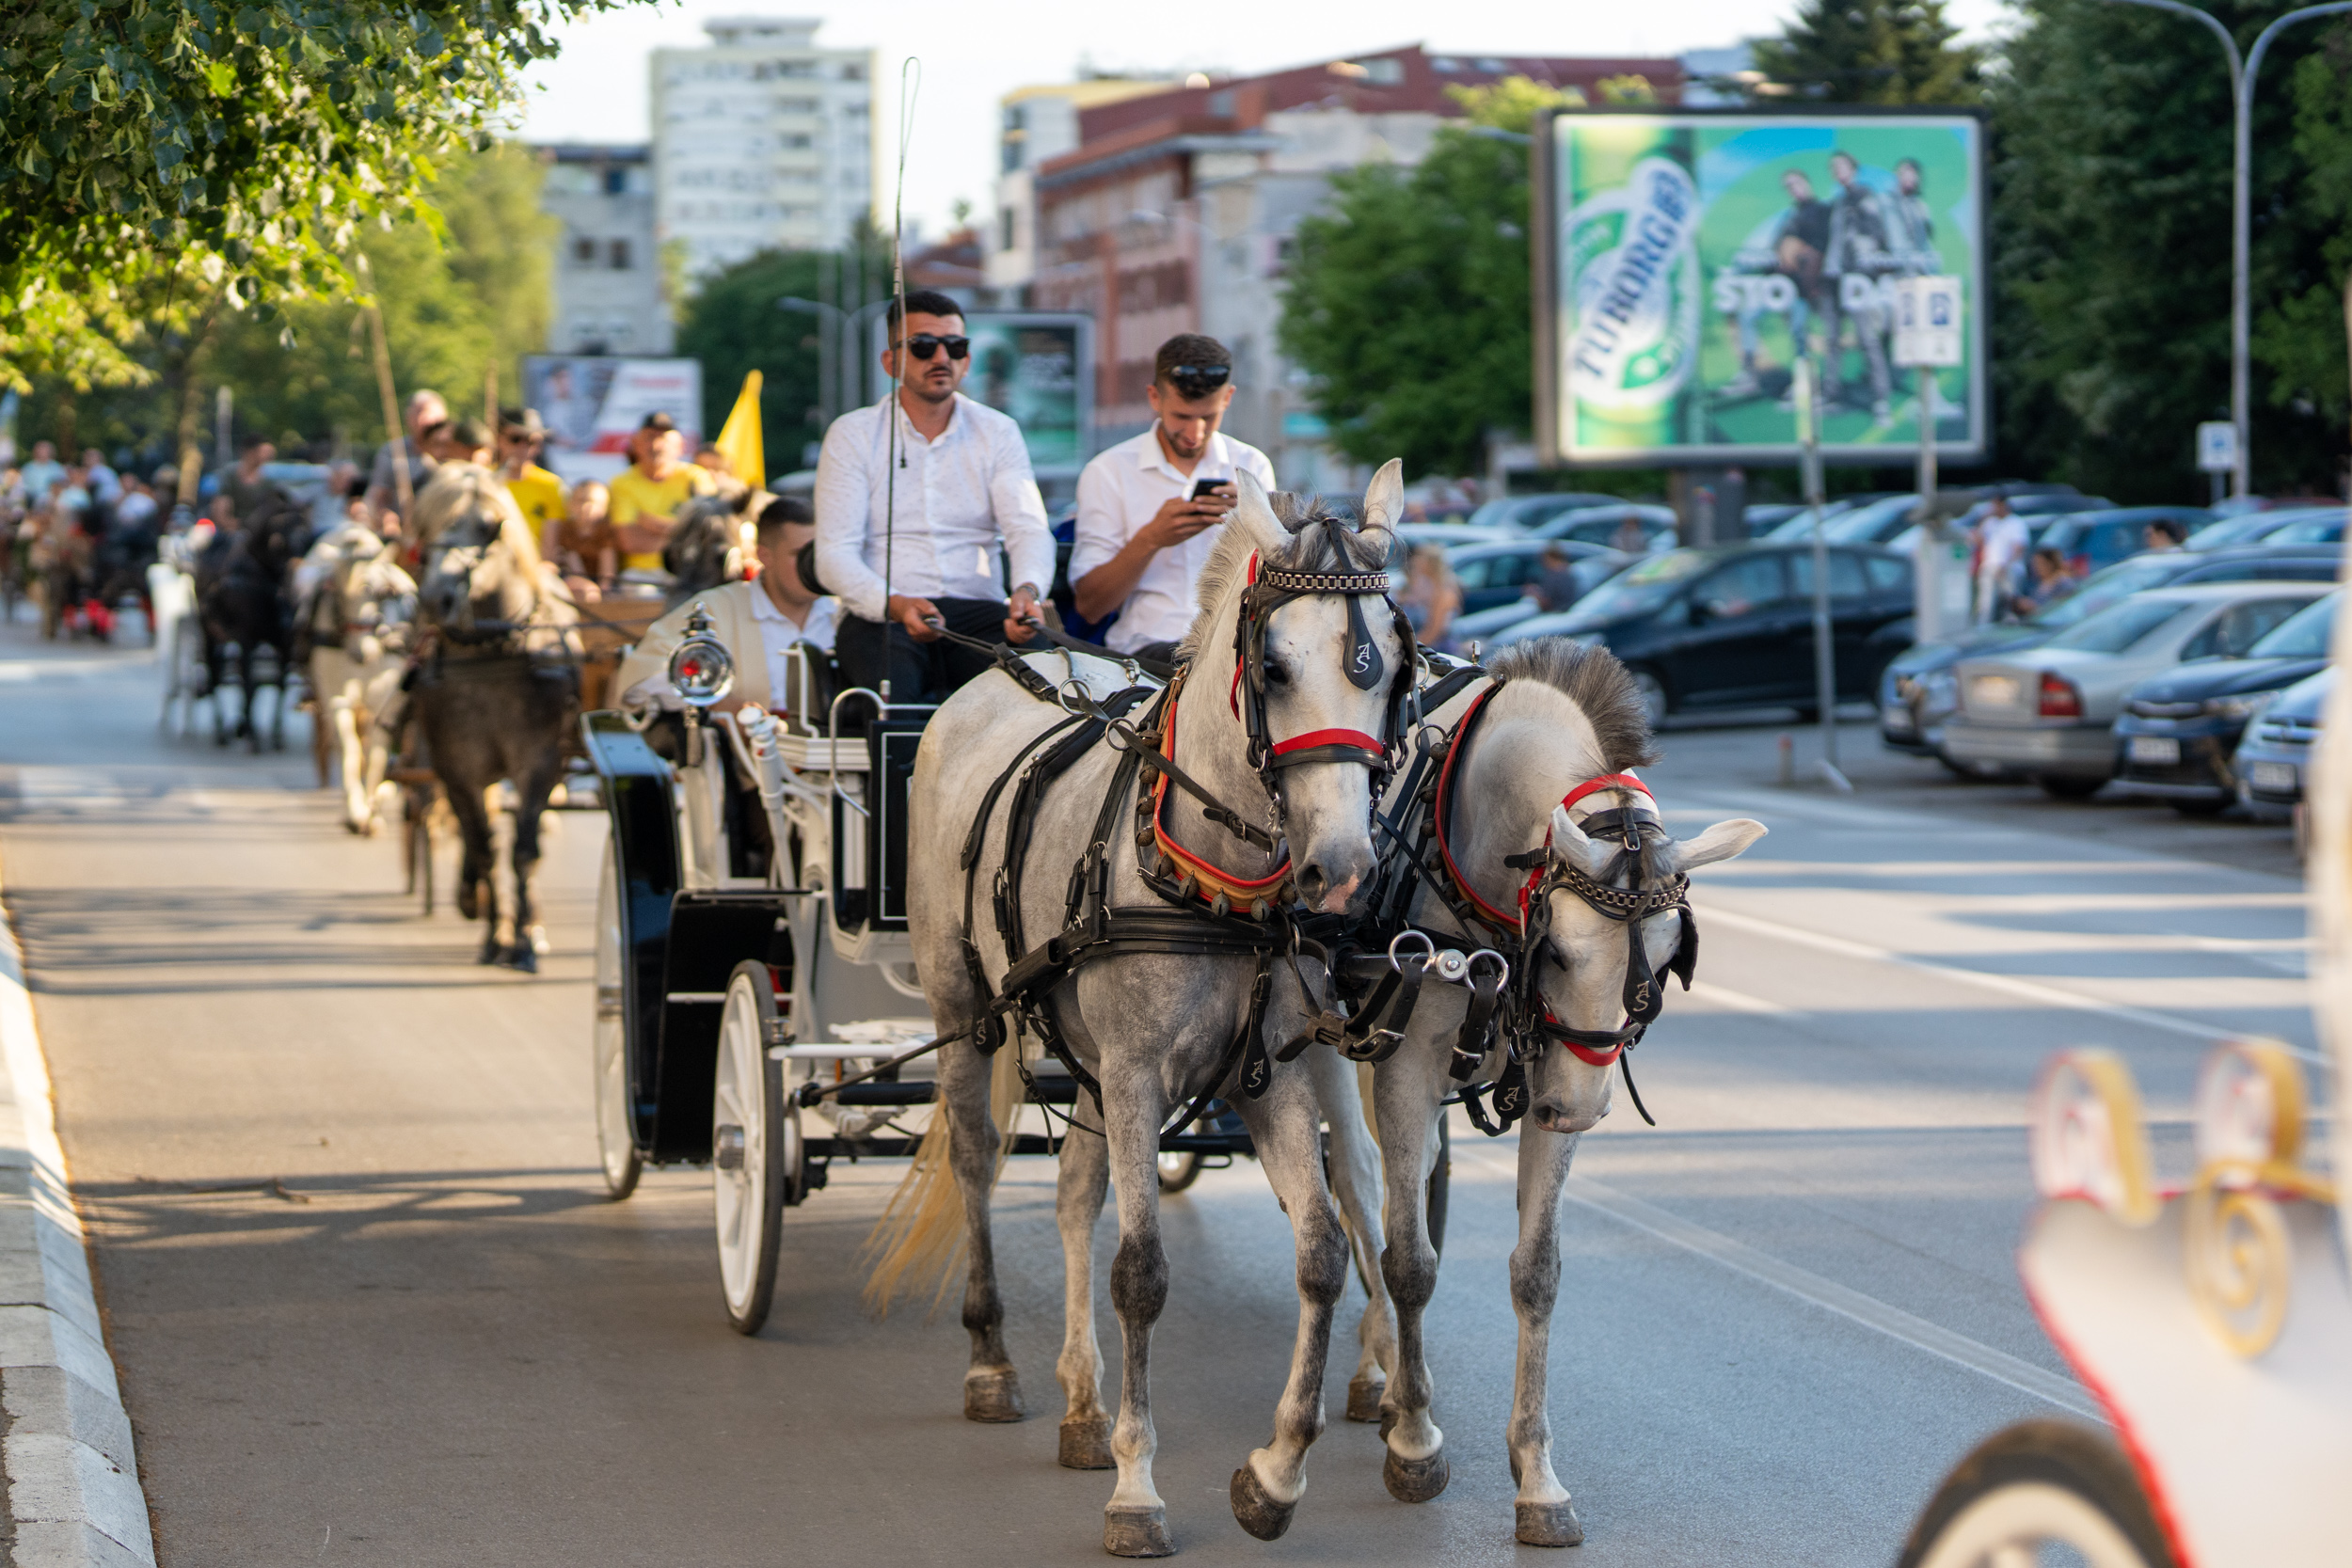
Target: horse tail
919 1239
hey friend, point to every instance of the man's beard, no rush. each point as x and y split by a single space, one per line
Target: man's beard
922 388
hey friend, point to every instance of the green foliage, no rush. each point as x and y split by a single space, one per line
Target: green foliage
732 325
166 148
1407 301
1869 52
2111 229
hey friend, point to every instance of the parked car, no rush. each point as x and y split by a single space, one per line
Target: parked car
2179 730
1447 536
1732 625
1862 521
1764 517
1603 525
2041 509
2274 760
1521 511
1499 574
1919 691
2260 528
2090 541
2049 712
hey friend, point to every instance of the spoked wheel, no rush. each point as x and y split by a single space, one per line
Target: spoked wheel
2040 1492
615 1144
1178 1168
755 1145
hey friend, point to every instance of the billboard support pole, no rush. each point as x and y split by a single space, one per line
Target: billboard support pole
1927 614
1824 650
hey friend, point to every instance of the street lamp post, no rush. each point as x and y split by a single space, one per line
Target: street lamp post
846 365
2242 78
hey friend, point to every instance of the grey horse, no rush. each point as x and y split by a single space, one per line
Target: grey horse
497 691
1561 716
1157 1029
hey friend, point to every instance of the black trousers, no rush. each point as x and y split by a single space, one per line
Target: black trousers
870 653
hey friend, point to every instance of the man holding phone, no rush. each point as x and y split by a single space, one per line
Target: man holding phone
1149 507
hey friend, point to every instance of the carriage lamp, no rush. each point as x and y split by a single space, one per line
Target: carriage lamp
702 669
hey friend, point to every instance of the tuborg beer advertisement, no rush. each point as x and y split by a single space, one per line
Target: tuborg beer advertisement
1685 259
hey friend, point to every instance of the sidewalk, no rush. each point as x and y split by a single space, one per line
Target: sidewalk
73 1495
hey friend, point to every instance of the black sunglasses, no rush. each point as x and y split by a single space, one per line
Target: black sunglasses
1198 381
924 344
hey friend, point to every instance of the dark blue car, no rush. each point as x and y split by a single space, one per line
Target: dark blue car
2179 731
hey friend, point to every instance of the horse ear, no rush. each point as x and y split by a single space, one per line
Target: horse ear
1719 843
1570 844
1384 498
1254 515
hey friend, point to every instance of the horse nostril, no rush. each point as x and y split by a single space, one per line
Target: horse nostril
1312 886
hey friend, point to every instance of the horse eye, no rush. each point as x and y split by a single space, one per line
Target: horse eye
1276 675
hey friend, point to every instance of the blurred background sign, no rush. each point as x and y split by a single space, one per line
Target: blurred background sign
1926 323
592 403
1037 367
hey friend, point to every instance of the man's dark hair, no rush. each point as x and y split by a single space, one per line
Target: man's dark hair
2169 527
471 435
251 442
924 302
1188 348
777 513
1914 166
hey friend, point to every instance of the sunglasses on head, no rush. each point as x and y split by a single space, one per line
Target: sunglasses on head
1199 381
924 344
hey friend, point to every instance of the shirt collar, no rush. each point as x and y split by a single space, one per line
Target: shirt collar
956 421
1154 455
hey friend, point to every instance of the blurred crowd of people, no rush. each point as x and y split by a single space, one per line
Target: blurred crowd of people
76 537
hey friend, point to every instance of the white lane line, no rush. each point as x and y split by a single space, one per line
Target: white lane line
1828 1294
1736 1001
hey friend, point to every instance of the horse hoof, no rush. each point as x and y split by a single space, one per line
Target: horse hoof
469 902
1137 1532
521 958
539 943
1549 1524
1257 1512
1414 1481
491 953
994 1397
1363 1400
1086 1443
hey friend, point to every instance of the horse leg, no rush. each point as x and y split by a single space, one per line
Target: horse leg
1266 1489
1134 1523
992 1390
247 730
345 716
1406 1092
477 888
1355 1173
1546 1517
523 953
1086 1431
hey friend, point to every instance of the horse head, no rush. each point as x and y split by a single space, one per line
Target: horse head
1300 659
712 541
1605 922
481 566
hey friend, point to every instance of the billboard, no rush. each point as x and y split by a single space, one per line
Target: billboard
1684 259
592 403
1037 367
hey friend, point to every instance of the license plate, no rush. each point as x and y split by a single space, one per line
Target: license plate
2159 751
2276 776
1992 691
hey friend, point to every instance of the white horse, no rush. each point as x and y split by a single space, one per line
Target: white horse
1161 1026
355 600
1559 718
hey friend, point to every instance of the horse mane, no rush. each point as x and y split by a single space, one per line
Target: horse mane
1309 549
1599 687
457 488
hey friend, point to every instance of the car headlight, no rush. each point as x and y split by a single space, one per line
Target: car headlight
2243 706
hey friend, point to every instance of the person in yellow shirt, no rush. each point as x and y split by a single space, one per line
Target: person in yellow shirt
648 493
537 492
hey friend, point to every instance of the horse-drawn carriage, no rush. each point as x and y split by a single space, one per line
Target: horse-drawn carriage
757 1009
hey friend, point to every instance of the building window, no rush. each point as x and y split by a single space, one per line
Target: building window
616 181
1387 72
1221 103
1008 229
585 251
619 252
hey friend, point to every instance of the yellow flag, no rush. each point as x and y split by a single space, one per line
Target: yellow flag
739 439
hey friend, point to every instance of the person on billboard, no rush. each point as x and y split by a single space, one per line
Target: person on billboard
1147 506
648 493
915 538
537 492
759 620
1798 240
1852 270
571 410
426 409
1911 223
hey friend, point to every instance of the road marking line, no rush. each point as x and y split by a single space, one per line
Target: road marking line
1737 1001
1828 1294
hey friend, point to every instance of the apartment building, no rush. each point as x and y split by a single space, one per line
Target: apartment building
1035 125
762 140
608 274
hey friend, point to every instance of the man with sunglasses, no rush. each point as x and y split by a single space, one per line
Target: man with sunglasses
918 497
1148 507
537 492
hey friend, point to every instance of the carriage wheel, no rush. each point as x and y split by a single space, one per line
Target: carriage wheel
2039 1484
617 1144
1178 1168
756 1143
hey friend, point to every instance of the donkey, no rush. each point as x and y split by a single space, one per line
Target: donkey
496 691
1546 753
1159 1028
354 600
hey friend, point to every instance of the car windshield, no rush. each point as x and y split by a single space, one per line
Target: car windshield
1641 588
2117 583
2232 531
1865 525
2302 634
2118 627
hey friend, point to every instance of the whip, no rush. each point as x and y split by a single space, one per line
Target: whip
910 84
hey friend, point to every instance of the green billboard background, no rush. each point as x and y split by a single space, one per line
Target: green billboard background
1689 250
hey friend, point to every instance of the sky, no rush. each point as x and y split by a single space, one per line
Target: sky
974 53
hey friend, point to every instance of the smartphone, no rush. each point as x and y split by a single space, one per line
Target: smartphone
1209 486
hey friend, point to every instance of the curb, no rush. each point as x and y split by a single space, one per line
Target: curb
72 1481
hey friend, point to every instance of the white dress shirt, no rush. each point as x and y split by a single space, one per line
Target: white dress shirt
1119 492
960 501
777 633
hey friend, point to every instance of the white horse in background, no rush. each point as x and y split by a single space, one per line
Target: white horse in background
357 607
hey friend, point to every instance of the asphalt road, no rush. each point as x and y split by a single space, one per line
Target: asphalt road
370 1306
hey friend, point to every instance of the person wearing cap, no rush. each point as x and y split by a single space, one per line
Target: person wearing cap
1149 507
648 493
426 409
537 492
918 499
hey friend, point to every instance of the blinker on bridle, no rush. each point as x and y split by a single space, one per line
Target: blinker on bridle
1267 592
